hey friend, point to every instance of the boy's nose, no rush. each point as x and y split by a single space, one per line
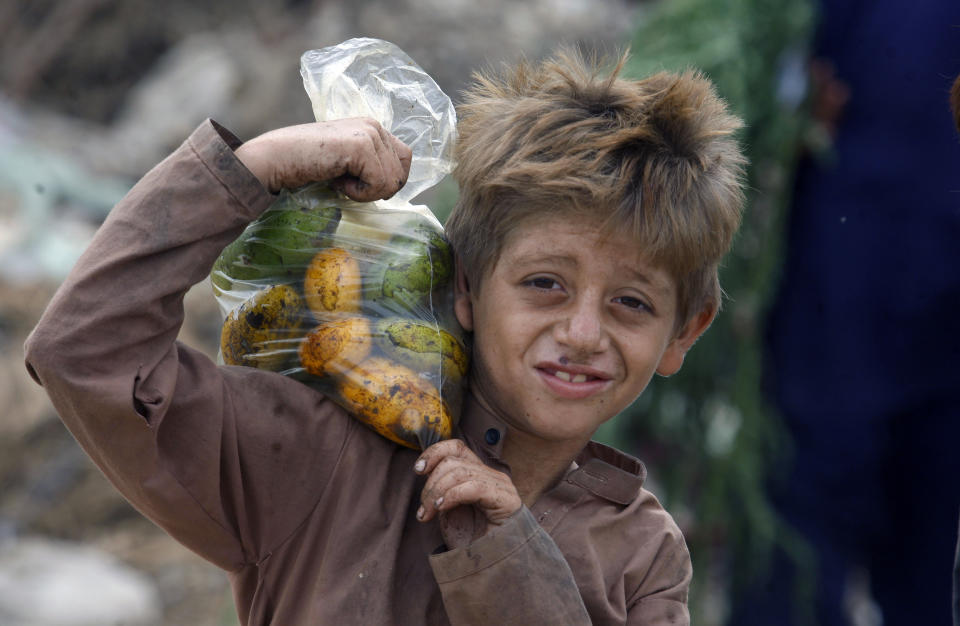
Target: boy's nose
582 331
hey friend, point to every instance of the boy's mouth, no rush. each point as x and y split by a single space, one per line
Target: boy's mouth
571 373
572 382
570 378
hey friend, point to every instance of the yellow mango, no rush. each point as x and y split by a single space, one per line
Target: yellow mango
264 331
333 283
336 346
396 402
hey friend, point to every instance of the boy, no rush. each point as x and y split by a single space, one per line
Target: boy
593 214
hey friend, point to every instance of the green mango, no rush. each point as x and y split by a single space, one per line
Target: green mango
423 347
280 243
420 261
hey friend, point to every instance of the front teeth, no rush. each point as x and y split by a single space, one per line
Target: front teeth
579 378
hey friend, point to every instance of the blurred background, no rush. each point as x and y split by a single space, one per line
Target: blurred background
785 448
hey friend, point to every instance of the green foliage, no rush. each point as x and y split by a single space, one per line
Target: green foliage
710 439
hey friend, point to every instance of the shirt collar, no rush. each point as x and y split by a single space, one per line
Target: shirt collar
481 429
603 471
609 473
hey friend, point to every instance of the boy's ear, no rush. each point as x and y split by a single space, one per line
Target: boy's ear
676 350
462 304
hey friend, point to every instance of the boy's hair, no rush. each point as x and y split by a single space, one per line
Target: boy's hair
654 156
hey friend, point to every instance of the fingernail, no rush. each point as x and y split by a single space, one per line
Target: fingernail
420 513
419 465
438 502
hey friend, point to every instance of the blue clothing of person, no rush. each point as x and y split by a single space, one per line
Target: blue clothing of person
864 338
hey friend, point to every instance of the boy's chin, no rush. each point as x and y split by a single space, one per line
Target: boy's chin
564 426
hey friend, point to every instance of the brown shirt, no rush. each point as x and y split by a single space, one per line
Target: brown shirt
310 512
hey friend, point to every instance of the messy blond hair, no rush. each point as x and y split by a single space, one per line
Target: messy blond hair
655 156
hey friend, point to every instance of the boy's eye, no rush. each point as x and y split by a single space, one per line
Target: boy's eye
632 303
542 282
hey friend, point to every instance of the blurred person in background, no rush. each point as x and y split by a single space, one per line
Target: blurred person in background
955 107
863 340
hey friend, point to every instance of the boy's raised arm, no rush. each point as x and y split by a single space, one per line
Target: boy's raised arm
184 440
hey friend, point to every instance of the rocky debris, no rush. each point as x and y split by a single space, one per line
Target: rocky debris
50 490
43 581
246 75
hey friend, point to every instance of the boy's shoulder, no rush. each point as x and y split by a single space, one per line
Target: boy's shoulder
623 527
612 476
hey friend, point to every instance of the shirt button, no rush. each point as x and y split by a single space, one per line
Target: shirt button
492 436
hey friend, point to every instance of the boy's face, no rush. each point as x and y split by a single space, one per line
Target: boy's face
570 327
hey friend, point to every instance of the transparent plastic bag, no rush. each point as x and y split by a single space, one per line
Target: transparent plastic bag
356 299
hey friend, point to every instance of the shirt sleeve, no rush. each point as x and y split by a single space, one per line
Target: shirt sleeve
662 598
228 460
514 574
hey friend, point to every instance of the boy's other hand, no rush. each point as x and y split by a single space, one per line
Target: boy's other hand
467 495
357 155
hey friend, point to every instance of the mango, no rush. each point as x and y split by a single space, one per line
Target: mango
333 283
420 262
265 330
424 347
396 403
280 243
336 346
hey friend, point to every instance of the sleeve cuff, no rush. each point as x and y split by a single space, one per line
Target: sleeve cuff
659 611
214 145
499 543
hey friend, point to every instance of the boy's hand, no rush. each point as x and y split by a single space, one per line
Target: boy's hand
357 155
467 495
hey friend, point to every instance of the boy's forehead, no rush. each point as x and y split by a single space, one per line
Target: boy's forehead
563 236
572 240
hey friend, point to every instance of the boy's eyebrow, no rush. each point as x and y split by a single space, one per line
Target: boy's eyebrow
537 257
653 283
